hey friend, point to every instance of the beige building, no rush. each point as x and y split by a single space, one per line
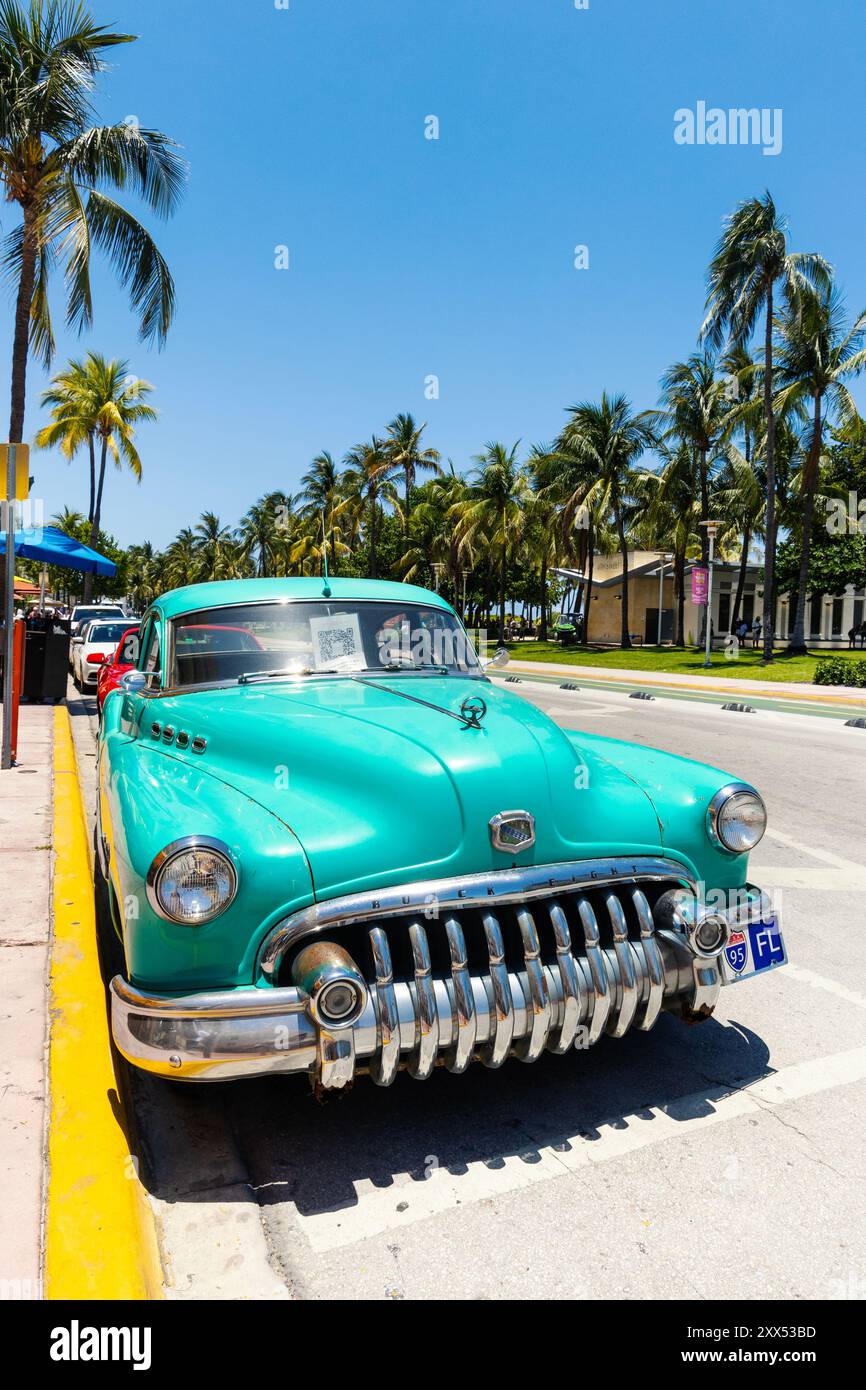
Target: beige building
651 587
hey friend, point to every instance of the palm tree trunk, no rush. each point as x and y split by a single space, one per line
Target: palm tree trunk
625 639
97 518
797 645
543 612
770 546
408 472
741 578
21 340
92 452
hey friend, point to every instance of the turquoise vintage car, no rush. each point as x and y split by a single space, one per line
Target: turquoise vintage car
334 845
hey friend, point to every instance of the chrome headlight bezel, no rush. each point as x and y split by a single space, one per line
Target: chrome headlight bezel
165 859
715 818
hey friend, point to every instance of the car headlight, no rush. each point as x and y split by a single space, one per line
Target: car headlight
736 818
192 881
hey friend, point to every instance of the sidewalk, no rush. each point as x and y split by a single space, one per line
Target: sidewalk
25 863
789 690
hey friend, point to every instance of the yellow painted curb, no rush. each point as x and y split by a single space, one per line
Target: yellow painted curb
100 1240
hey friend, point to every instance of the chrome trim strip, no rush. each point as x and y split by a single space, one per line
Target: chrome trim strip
538 1000
383 1065
502 1004
466 891
649 1011
600 986
423 1058
569 981
462 998
619 1024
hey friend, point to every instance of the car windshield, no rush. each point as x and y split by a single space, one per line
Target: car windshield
86 615
310 637
106 632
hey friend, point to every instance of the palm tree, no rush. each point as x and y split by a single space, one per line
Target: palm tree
321 497
693 399
542 515
215 548
368 485
671 512
56 167
740 500
403 447
145 574
607 440
182 564
750 261
815 354
433 539
99 402
495 509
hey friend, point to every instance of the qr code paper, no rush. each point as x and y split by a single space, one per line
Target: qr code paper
337 642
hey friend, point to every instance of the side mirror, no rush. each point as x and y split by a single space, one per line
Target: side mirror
77 641
500 658
133 682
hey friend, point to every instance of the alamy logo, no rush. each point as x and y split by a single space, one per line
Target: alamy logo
77 1343
740 125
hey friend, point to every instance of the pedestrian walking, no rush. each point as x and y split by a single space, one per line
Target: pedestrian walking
756 631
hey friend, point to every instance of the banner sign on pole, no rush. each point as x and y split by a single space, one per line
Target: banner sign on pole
22 472
700 584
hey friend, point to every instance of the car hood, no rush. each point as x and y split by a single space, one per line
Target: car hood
380 789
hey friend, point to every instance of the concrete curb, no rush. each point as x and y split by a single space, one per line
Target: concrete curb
767 690
100 1237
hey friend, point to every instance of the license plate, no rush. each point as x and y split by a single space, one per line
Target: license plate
753 948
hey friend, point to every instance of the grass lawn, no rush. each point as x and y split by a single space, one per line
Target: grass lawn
678 661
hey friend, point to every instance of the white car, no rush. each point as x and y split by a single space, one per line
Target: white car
84 613
96 643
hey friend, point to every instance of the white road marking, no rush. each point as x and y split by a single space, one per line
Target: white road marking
849 880
810 977
376 1208
824 855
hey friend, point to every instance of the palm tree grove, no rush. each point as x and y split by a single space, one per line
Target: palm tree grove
755 428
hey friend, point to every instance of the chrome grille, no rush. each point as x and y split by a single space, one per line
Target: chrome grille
540 970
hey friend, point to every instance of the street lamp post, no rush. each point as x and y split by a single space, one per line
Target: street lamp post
712 528
662 559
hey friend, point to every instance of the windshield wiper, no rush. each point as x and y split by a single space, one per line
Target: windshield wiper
410 666
249 676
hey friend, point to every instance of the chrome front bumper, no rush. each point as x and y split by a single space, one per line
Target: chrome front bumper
418 1023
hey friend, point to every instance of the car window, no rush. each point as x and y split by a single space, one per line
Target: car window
106 632
127 652
151 656
348 636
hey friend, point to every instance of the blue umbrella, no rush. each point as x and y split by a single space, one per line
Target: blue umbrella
54 547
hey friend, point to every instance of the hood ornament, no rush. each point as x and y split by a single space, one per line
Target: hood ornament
512 830
472 711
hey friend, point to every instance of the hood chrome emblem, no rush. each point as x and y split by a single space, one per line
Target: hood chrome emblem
472 711
512 830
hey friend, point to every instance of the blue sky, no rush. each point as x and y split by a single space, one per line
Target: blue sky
305 127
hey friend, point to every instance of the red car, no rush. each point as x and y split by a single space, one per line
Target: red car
115 666
202 637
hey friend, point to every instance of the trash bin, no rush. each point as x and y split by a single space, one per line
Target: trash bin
46 659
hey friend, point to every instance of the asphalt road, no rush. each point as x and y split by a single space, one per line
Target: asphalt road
719 1161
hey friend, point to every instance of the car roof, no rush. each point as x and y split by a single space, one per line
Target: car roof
220 593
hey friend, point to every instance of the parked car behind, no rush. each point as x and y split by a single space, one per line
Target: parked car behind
94 645
122 660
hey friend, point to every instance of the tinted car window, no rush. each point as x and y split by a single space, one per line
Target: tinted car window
308 636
